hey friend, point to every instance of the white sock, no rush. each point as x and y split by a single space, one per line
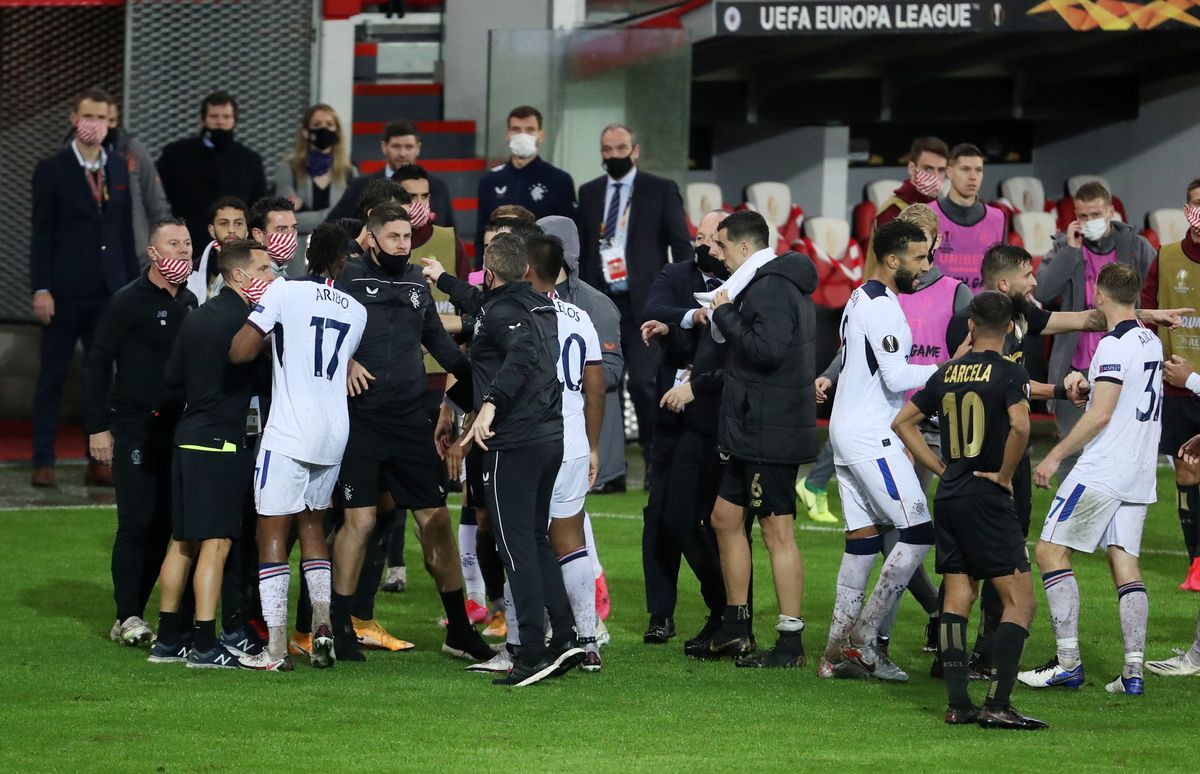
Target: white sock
510 616
581 591
470 563
1062 597
852 579
273 581
319 577
589 541
899 566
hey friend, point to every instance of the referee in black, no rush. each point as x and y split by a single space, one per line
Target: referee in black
518 425
213 460
983 401
130 418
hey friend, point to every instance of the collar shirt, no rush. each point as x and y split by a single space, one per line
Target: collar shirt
624 189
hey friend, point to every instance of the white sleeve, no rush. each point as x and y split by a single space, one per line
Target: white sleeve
1193 383
880 324
592 355
268 312
1110 361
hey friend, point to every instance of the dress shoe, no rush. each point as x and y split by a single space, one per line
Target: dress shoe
98 475
659 631
616 486
43 478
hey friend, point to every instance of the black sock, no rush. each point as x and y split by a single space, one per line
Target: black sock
1189 497
790 642
374 559
303 608
168 628
1006 660
990 610
455 605
490 565
737 617
953 637
395 543
339 613
204 636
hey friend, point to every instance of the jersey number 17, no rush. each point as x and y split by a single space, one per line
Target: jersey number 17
324 325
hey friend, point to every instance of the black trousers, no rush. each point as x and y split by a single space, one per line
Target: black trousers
142 447
73 320
518 485
676 523
641 365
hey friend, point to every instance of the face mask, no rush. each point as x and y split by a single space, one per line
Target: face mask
522 145
91 131
174 270
1192 213
113 136
927 183
392 263
420 214
322 138
219 137
707 263
1094 229
281 247
488 279
617 167
253 288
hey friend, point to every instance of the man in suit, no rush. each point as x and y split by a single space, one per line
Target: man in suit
196 171
627 220
81 252
400 146
673 526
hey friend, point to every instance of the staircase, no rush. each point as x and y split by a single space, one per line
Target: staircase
394 68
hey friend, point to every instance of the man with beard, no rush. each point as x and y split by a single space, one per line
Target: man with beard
226 223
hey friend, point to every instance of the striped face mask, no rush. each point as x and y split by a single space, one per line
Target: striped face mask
254 288
281 247
927 183
1192 213
420 214
174 270
91 131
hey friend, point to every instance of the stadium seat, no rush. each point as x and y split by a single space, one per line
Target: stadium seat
701 198
1075 181
1035 232
774 202
862 221
880 191
1066 205
837 258
1169 225
1024 194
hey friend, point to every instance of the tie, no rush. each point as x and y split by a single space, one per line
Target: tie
610 222
712 284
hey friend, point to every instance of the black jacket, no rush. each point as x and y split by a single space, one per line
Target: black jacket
768 407
401 318
514 366
439 199
669 298
656 223
195 175
78 250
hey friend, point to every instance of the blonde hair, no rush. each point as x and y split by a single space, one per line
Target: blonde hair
922 216
298 160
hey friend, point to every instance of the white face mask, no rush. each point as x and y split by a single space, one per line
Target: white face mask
1094 229
522 145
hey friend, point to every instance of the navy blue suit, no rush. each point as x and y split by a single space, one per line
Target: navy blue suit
82 253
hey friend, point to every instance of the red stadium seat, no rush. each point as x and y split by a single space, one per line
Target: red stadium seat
774 202
837 257
863 221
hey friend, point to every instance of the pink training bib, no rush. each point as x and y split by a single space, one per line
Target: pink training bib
1088 341
961 248
928 312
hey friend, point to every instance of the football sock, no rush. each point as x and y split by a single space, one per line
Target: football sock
168 628
737 618
395 554
513 638
491 567
1062 594
318 575
790 630
1189 501
273 582
342 606
952 638
581 590
469 559
374 559
204 636
303 608
589 540
455 605
1135 612
857 562
1194 652
1007 645
893 579
991 609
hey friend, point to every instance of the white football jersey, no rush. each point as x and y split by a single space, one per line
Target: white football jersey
1122 460
578 346
317 329
876 342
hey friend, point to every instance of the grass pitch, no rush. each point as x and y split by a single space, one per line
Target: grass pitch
74 701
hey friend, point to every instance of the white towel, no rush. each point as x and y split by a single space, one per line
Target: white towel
736 283
198 281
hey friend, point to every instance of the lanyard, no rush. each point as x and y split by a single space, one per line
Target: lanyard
624 213
95 179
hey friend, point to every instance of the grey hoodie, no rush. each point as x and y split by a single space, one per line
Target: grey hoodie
607 321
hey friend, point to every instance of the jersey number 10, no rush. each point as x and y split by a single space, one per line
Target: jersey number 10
966 423
324 324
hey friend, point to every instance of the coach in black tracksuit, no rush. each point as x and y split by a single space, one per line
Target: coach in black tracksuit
518 405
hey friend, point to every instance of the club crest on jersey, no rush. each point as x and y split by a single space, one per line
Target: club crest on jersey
890 343
538 191
347 492
478 325
414 298
136 457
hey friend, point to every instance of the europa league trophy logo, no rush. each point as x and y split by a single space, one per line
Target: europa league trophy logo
997 15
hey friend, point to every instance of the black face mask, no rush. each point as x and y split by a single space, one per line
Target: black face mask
322 138
114 134
617 167
219 137
707 263
391 263
489 279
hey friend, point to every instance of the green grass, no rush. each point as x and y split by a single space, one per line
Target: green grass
75 701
